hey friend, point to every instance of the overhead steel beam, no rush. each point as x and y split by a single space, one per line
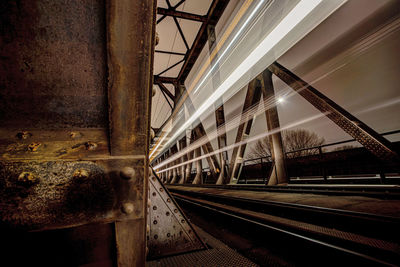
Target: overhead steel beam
170 80
170 67
180 14
173 8
178 26
370 139
165 96
214 13
169 52
165 90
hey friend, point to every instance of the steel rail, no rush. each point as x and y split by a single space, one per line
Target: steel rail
285 231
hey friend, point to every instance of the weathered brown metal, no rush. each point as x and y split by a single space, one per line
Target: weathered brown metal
52 69
278 173
162 79
252 99
366 136
130 46
180 14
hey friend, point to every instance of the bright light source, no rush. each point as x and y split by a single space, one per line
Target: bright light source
280 100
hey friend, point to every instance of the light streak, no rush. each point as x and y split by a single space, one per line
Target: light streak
295 16
249 140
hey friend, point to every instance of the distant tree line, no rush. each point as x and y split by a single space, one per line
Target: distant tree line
293 140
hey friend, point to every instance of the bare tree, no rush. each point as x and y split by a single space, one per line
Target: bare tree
296 143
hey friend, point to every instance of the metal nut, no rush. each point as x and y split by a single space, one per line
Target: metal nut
127 173
127 208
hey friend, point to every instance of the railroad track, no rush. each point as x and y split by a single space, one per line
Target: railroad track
343 237
380 191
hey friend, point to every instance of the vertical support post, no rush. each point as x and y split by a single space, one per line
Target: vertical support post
207 147
251 102
174 179
278 175
199 168
219 113
322 164
130 48
182 145
190 156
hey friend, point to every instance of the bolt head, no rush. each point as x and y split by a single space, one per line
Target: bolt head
127 208
81 174
127 173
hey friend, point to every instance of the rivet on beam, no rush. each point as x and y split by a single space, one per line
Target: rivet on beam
127 173
127 208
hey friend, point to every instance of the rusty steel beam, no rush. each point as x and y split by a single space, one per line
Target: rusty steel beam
370 139
165 96
172 8
252 99
169 52
170 80
180 14
214 13
165 90
131 38
171 67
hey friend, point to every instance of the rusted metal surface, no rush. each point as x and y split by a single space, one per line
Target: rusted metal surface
78 144
180 14
253 96
278 173
39 195
371 140
170 231
52 64
129 44
130 47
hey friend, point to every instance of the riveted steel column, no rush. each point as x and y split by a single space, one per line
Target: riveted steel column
130 45
278 174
